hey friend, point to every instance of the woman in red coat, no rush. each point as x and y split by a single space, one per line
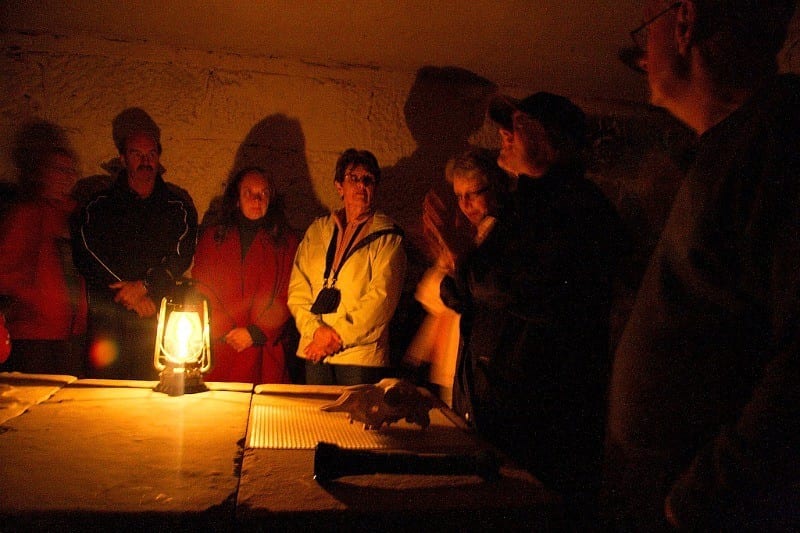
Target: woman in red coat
45 300
242 266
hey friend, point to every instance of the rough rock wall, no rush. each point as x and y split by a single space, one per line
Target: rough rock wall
218 112
214 110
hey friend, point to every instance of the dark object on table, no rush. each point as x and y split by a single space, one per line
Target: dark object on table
332 462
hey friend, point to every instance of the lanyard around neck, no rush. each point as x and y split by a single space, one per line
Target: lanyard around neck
331 281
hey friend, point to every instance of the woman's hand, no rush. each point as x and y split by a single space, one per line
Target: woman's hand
325 342
239 339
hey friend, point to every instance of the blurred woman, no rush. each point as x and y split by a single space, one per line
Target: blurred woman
346 281
242 266
480 187
46 310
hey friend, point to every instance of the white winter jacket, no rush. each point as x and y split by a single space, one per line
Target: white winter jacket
370 281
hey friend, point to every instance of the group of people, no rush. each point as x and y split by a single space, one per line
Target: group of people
83 278
691 422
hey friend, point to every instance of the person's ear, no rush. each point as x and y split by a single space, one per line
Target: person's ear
532 129
529 125
339 188
685 23
505 134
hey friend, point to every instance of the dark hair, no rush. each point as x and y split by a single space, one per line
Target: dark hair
134 120
353 157
483 162
740 39
274 222
34 146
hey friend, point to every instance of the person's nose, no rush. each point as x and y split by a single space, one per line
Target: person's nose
257 198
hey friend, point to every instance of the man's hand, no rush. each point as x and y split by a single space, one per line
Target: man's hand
325 342
129 292
145 307
239 339
133 296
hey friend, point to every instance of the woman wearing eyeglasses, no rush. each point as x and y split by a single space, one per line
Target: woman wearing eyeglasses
480 188
242 266
346 281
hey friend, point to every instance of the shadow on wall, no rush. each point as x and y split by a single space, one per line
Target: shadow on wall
445 106
277 144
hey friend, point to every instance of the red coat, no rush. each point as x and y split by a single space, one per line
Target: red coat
32 273
5 340
242 293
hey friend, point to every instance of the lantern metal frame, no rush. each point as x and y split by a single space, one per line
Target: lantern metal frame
176 376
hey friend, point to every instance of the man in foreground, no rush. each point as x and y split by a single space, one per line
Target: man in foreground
704 420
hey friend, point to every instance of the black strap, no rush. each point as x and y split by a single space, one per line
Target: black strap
331 255
350 250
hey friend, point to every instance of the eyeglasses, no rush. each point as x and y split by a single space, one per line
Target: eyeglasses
367 180
639 35
471 195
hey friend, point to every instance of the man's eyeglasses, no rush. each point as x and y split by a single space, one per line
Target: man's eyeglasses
367 180
471 195
639 35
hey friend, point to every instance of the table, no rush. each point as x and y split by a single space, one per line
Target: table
88 454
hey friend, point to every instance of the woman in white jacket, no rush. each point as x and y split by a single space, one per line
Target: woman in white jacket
346 281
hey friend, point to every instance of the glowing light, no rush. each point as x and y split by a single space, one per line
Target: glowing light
183 338
182 348
103 353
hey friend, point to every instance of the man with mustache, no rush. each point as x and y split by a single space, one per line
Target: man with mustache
132 241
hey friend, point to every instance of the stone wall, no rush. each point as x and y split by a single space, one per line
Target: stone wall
214 110
218 112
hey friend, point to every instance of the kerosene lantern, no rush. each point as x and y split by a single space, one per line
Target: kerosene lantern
183 348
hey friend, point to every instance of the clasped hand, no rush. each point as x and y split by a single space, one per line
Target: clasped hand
133 296
325 342
239 339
